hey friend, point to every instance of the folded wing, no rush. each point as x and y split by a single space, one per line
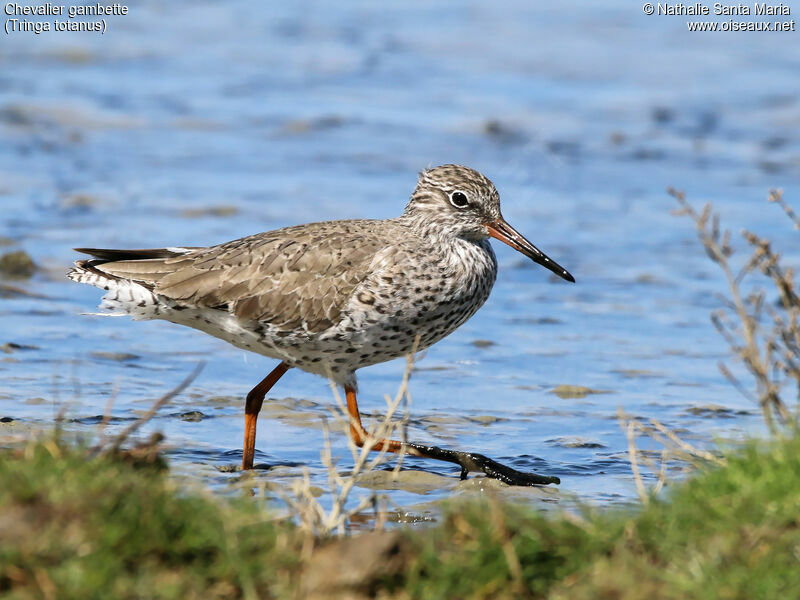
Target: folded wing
292 278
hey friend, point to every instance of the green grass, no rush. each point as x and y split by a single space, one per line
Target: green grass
731 532
107 528
111 528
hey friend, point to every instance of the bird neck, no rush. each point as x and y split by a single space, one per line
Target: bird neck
426 227
452 247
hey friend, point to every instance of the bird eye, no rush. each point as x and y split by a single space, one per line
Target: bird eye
459 199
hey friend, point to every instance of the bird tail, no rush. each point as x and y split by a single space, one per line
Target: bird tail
129 288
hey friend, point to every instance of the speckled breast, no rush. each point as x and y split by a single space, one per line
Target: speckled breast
428 295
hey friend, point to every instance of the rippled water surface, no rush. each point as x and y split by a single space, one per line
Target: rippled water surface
196 122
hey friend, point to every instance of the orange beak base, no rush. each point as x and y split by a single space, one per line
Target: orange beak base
507 234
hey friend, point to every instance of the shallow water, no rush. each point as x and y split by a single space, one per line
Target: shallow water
197 122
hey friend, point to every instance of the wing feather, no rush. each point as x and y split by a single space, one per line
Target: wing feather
302 275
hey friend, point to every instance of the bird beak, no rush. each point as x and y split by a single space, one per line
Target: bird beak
506 233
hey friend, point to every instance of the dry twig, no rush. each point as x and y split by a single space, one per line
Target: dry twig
770 354
674 452
312 516
115 443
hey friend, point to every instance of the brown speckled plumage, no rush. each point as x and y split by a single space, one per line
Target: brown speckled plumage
328 297
338 294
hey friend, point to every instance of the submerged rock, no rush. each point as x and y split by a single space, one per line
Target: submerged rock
192 416
210 211
576 391
17 265
482 343
117 356
10 347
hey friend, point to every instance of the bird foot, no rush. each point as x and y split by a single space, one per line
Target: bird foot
471 461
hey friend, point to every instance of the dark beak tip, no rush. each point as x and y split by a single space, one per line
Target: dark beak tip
502 231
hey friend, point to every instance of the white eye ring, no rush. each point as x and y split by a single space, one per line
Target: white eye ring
459 199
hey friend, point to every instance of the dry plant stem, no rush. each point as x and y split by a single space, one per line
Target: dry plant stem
759 362
314 520
374 439
772 357
688 448
674 448
338 516
117 441
776 196
662 473
317 522
637 476
786 337
403 396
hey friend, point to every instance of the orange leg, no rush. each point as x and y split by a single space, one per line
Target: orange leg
255 398
357 433
468 461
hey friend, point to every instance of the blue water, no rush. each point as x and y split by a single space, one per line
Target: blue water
194 123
